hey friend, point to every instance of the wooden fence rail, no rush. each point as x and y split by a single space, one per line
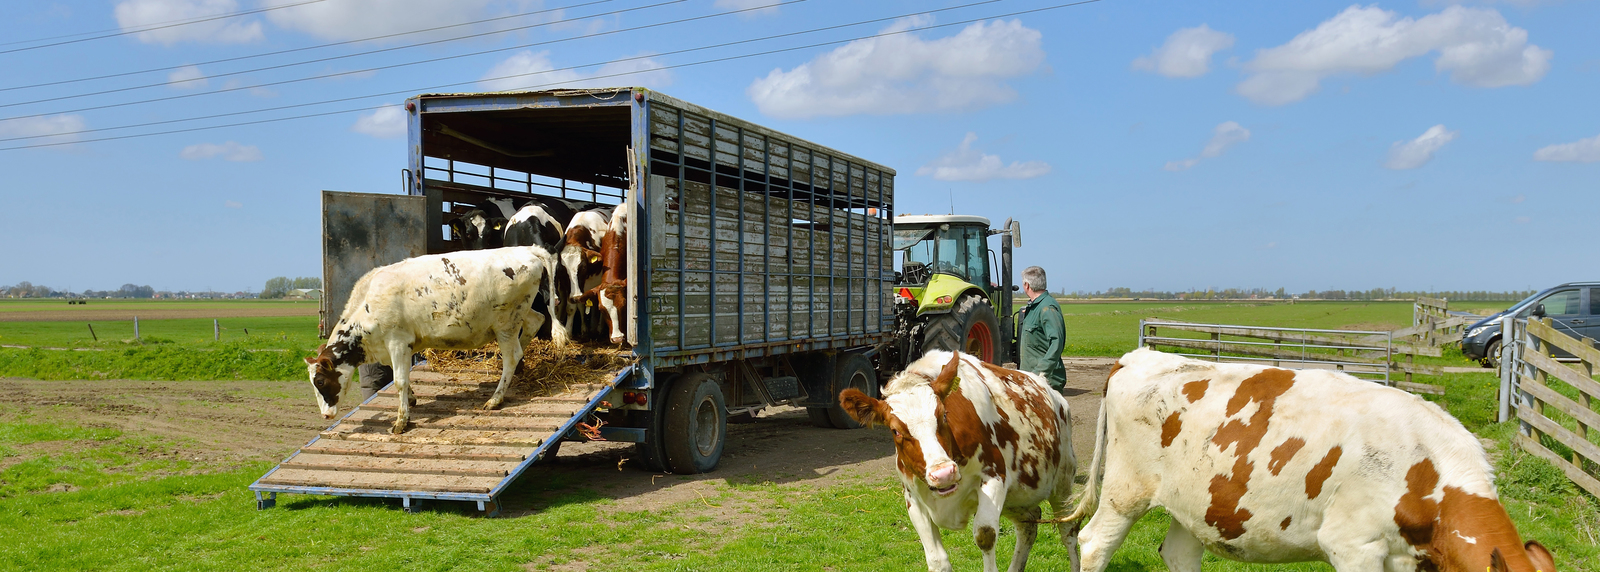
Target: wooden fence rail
1553 401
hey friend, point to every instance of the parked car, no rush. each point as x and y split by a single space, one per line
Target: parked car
1573 308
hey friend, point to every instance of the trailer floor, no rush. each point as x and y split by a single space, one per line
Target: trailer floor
453 449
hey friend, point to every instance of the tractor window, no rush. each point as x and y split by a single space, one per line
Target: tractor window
952 252
977 261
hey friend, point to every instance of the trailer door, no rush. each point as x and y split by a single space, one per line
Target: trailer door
362 231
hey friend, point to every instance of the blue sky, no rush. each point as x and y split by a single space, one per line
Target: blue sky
1165 145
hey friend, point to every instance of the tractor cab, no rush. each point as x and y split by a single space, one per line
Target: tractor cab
946 294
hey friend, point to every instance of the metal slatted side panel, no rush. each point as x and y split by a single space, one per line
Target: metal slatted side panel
764 240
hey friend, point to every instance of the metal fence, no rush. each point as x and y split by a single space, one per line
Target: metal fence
1554 402
1364 354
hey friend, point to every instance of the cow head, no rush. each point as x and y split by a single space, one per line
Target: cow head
327 376
934 425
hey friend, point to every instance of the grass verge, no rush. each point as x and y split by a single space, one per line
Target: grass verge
223 361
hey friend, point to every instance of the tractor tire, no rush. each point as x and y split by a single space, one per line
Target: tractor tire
695 428
970 327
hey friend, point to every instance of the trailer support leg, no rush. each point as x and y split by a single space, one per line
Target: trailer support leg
405 503
270 501
489 508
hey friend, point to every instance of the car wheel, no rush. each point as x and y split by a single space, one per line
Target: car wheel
1491 355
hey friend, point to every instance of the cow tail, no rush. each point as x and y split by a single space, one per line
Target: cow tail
1091 489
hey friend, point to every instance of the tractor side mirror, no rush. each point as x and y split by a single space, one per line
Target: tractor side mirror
1538 310
1014 229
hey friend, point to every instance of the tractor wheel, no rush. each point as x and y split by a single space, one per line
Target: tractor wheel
970 327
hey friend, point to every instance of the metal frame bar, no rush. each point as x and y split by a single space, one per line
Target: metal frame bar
1303 345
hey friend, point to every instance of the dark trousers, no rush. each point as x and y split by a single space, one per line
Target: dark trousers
374 376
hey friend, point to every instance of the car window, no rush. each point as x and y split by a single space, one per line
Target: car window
1594 301
1563 303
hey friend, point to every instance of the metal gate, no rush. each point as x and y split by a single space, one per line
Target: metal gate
1364 354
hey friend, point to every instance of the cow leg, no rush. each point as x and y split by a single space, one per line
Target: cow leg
400 361
1181 550
1027 531
986 523
1105 532
510 356
932 544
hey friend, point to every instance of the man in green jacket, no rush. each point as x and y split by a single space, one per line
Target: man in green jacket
1043 332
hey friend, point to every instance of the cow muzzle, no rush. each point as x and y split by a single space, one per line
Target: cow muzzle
943 478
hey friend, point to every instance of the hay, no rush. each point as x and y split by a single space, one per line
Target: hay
545 369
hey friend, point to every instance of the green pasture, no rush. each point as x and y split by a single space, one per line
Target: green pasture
94 504
263 331
60 304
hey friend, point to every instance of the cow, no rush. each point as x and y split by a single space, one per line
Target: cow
1261 464
612 292
478 230
455 301
974 442
581 260
533 225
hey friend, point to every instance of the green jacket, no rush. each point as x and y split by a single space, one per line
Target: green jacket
1044 335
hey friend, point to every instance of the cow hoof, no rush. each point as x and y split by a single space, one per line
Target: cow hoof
398 427
492 404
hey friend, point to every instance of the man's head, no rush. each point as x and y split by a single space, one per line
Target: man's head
1033 283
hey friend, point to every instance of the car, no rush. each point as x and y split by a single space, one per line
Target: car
1573 308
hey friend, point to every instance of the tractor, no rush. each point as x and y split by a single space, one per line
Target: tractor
946 295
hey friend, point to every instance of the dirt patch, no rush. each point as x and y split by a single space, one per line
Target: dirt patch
92 314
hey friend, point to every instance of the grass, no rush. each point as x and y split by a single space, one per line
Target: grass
268 331
171 362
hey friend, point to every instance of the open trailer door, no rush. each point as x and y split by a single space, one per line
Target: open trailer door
362 231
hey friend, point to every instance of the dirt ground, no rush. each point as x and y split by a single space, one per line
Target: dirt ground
92 313
227 422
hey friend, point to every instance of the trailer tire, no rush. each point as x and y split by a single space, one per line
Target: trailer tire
856 371
970 327
695 428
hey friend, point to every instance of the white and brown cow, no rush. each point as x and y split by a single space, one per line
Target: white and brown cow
612 292
456 301
974 442
1260 464
580 262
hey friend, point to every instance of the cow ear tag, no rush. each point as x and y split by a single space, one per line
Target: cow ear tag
594 259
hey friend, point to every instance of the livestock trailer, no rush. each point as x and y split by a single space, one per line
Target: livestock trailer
760 267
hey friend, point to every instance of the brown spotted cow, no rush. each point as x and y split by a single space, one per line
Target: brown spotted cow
611 294
1259 464
974 442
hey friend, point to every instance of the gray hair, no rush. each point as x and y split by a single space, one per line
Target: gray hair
1033 276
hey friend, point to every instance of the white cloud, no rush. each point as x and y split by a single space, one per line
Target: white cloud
187 77
50 128
527 69
1224 135
968 164
1580 151
229 151
137 14
352 19
1476 46
771 7
1187 52
384 123
903 73
1417 152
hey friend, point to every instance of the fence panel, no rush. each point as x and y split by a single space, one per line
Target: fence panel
1553 401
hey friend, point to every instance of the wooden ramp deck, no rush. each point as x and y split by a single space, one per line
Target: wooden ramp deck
452 450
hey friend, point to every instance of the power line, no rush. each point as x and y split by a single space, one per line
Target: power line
532 87
378 68
414 90
159 26
319 46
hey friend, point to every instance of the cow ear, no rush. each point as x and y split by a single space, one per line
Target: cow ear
948 379
310 360
1543 561
865 410
1497 562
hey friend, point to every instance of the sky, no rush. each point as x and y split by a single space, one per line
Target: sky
1420 145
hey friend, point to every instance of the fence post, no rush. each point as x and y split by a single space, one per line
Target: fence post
1141 333
1583 398
91 333
1506 341
216 331
136 329
1216 349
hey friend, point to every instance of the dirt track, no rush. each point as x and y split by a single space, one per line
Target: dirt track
226 422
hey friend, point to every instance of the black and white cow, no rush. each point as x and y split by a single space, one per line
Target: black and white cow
461 300
478 230
533 225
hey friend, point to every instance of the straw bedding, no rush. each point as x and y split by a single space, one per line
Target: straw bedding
545 369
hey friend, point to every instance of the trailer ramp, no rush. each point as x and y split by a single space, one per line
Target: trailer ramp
452 450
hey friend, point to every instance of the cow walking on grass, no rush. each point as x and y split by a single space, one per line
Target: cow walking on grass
974 442
1259 464
456 301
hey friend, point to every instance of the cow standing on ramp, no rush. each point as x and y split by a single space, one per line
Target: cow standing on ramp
456 301
1268 465
974 442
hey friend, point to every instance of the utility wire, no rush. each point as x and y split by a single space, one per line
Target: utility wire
317 47
339 57
159 26
532 87
408 91
380 68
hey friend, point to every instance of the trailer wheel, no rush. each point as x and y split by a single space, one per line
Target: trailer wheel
695 427
855 370
970 327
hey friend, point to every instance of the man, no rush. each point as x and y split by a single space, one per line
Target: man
1043 333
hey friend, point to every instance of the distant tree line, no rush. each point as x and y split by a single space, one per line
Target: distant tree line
30 290
1280 294
278 287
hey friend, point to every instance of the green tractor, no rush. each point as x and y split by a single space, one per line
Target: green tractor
946 295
